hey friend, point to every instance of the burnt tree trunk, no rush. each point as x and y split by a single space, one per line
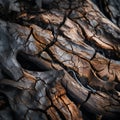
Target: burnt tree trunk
60 61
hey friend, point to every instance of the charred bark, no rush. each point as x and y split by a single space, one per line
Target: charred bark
59 60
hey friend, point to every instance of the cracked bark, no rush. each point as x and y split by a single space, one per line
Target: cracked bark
60 61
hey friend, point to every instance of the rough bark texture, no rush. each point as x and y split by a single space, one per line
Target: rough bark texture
60 61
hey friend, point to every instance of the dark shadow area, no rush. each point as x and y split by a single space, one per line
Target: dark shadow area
31 63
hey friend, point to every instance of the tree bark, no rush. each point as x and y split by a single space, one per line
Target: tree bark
60 61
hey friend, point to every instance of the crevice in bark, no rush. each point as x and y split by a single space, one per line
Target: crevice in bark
61 115
110 54
31 63
101 5
87 115
117 87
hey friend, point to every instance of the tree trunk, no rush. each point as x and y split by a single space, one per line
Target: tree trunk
59 60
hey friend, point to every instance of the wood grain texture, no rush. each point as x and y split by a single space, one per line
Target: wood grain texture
60 62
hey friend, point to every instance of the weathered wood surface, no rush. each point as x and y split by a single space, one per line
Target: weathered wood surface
59 63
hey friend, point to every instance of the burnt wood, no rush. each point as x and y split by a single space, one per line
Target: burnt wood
59 60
